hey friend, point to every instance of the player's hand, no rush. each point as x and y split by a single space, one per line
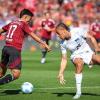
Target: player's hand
44 45
48 48
61 79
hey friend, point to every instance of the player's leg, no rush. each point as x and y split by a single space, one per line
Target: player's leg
3 70
14 64
99 44
4 62
44 51
10 77
78 76
96 59
15 73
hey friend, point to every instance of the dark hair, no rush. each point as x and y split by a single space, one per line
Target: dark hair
64 26
26 12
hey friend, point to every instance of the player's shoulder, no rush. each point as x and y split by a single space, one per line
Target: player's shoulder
73 31
18 22
62 42
76 30
24 24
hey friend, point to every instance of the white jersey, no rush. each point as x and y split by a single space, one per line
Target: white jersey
76 41
77 45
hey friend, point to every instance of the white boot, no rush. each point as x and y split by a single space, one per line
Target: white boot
90 66
43 60
77 96
78 78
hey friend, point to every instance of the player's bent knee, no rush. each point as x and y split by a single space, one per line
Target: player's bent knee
16 73
79 68
96 58
79 65
1 75
16 76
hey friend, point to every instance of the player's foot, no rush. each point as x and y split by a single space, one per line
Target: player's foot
90 66
77 96
43 60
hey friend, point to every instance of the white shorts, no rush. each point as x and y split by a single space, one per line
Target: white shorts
84 53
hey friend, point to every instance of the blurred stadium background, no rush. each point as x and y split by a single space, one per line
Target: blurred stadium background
82 12
44 76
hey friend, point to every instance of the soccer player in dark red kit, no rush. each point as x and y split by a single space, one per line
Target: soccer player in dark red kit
16 32
95 28
47 27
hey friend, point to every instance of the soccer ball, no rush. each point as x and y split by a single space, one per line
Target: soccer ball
27 88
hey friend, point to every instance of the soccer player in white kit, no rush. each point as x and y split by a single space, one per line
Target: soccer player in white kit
81 53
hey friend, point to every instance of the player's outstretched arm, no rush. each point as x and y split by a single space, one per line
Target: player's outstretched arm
1 31
37 39
62 69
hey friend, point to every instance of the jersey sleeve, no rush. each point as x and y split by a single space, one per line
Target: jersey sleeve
6 27
63 47
83 32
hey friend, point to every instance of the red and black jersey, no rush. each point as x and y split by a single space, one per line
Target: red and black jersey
16 31
47 24
95 27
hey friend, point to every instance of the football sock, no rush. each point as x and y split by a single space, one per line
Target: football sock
6 79
78 78
44 54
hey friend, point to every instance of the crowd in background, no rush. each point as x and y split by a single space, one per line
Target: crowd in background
82 12
61 10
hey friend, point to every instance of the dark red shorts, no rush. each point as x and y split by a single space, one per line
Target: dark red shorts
11 58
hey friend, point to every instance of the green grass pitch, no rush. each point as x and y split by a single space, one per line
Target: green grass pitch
44 79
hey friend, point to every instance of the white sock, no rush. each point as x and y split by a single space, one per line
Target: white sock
78 78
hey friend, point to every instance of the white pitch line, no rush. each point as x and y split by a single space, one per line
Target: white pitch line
87 87
65 88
